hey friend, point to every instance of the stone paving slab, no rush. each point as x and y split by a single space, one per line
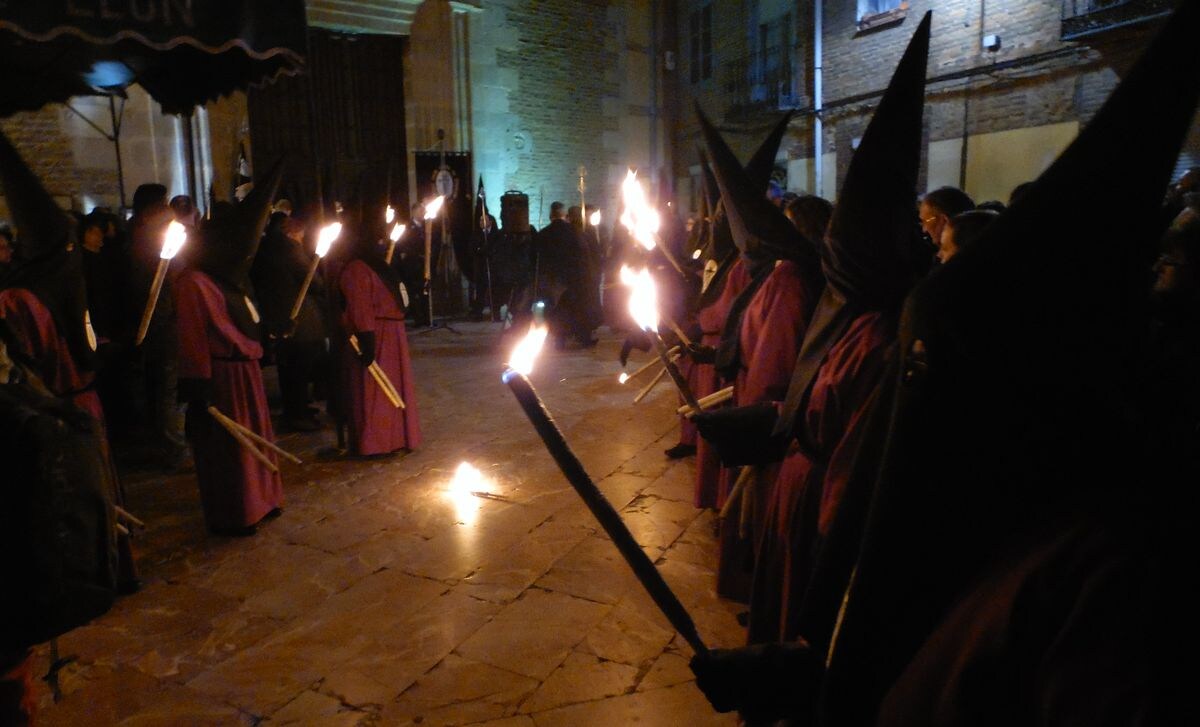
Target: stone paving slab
381 597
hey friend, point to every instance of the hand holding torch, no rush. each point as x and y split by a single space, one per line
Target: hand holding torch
325 239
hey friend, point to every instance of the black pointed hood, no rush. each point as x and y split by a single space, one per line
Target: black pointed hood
231 238
868 256
874 230
762 164
1013 406
760 230
51 272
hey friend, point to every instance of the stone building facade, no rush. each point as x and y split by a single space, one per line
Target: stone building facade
1011 81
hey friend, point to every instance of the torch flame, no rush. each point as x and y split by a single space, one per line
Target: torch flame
639 217
173 240
623 377
697 253
434 206
595 219
326 237
526 352
397 232
389 215
643 297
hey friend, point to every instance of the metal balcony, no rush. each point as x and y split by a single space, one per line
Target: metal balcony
1085 18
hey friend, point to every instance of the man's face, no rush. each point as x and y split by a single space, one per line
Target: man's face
933 222
93 239
946 246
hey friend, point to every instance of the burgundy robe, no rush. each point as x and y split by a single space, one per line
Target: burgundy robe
37 336
810 484
1058 632
377 427
707 381
236 489
772 331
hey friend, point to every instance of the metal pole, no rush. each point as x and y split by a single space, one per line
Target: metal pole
818 93
190 149
116 138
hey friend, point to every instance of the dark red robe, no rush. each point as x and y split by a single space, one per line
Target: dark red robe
236 489
813 477
772 331
707 381
38 339
377 427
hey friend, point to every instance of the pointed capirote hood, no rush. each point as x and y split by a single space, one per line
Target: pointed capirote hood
230 239
1013 407
50 271
762 164
760 230
869 255
874 230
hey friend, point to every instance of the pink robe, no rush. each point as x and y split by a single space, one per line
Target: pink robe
808 490
377 427
236 490
772 331
708 381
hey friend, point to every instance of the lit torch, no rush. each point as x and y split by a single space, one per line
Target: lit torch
643 306
389 215
432 209
516 376
595 218
173 240
396 233
642 220
325 239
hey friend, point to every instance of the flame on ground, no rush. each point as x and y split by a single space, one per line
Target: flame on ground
467 480
623 377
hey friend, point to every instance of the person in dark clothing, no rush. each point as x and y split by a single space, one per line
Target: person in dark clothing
563 279
937 207
279 270
160 350
961 230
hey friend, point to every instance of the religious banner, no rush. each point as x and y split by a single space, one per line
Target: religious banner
449 174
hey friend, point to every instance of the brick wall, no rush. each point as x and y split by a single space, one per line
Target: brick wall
1052 82
39 138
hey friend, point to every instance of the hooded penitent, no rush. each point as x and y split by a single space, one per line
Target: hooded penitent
229 243
1012 404
52 273
870 254
759 229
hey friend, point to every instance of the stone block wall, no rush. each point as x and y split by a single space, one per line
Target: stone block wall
556 84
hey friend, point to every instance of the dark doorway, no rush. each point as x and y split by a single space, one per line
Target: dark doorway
357 87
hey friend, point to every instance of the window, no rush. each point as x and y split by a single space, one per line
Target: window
874 13
700 33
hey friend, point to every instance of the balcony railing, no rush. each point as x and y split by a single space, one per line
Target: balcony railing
752 84
1083 18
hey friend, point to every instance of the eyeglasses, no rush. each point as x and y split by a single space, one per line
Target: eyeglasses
929 220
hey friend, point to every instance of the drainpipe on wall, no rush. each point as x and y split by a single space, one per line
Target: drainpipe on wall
654 97
818 91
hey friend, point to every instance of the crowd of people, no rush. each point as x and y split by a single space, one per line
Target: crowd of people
954 479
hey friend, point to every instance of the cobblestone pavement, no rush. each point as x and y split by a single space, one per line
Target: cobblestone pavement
380 597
